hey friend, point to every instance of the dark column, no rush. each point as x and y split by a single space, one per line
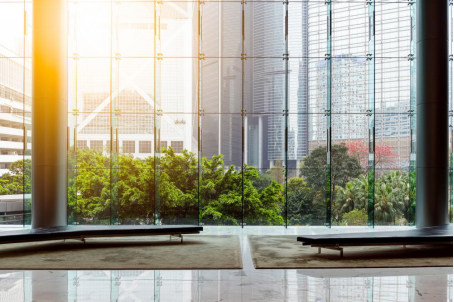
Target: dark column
49 113
432 113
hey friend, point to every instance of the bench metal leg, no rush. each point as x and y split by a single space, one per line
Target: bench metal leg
336 248
177 235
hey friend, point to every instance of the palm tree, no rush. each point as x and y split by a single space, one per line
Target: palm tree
391 197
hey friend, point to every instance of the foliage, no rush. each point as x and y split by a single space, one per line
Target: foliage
137 193
355 217
343 169
18 180
392 197
303 208
122 189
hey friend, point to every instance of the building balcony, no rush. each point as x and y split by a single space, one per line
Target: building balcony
13 132
13 146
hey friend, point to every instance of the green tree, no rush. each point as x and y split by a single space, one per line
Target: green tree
353 196
343 168
303 208
391 197
18 178
131 192
355 217
314 170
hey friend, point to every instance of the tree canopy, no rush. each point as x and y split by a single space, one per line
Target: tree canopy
177 188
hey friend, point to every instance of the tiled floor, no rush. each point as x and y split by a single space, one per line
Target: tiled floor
248 284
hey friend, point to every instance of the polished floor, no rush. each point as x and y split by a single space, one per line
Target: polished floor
248 284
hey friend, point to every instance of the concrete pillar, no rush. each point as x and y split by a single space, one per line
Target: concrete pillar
49 114
432 113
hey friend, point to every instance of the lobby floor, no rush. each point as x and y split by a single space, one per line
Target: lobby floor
248 284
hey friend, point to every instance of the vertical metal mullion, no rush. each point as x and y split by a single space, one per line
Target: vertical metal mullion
412 114
328 57
371 115
286 62
450 117
199 110
76 106
243 58
23 119
110 113
156 144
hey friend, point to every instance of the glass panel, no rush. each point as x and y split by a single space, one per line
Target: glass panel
264 24
15 122
393 196
221 178
312 177
92 189
133 29
89 29
133 168
349 85
133 85
72 169
27 169
28 30
89 86
92 132
177 185
349 174
265 149
13 169
307 29
176 24
177 86
392 85
12 40
393 29
350 29
264 86
302 84
133 193
221 85
306 196
221 32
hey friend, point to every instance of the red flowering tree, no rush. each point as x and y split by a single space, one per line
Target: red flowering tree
384 157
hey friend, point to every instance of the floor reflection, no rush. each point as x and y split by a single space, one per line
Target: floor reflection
226 285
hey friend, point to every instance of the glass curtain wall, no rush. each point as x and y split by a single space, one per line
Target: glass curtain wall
242 113
224 112
15 112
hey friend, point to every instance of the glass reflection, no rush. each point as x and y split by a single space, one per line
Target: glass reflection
223 285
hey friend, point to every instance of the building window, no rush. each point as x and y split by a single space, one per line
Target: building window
82 144
96 145
177 146
129 147
144 146
163 145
